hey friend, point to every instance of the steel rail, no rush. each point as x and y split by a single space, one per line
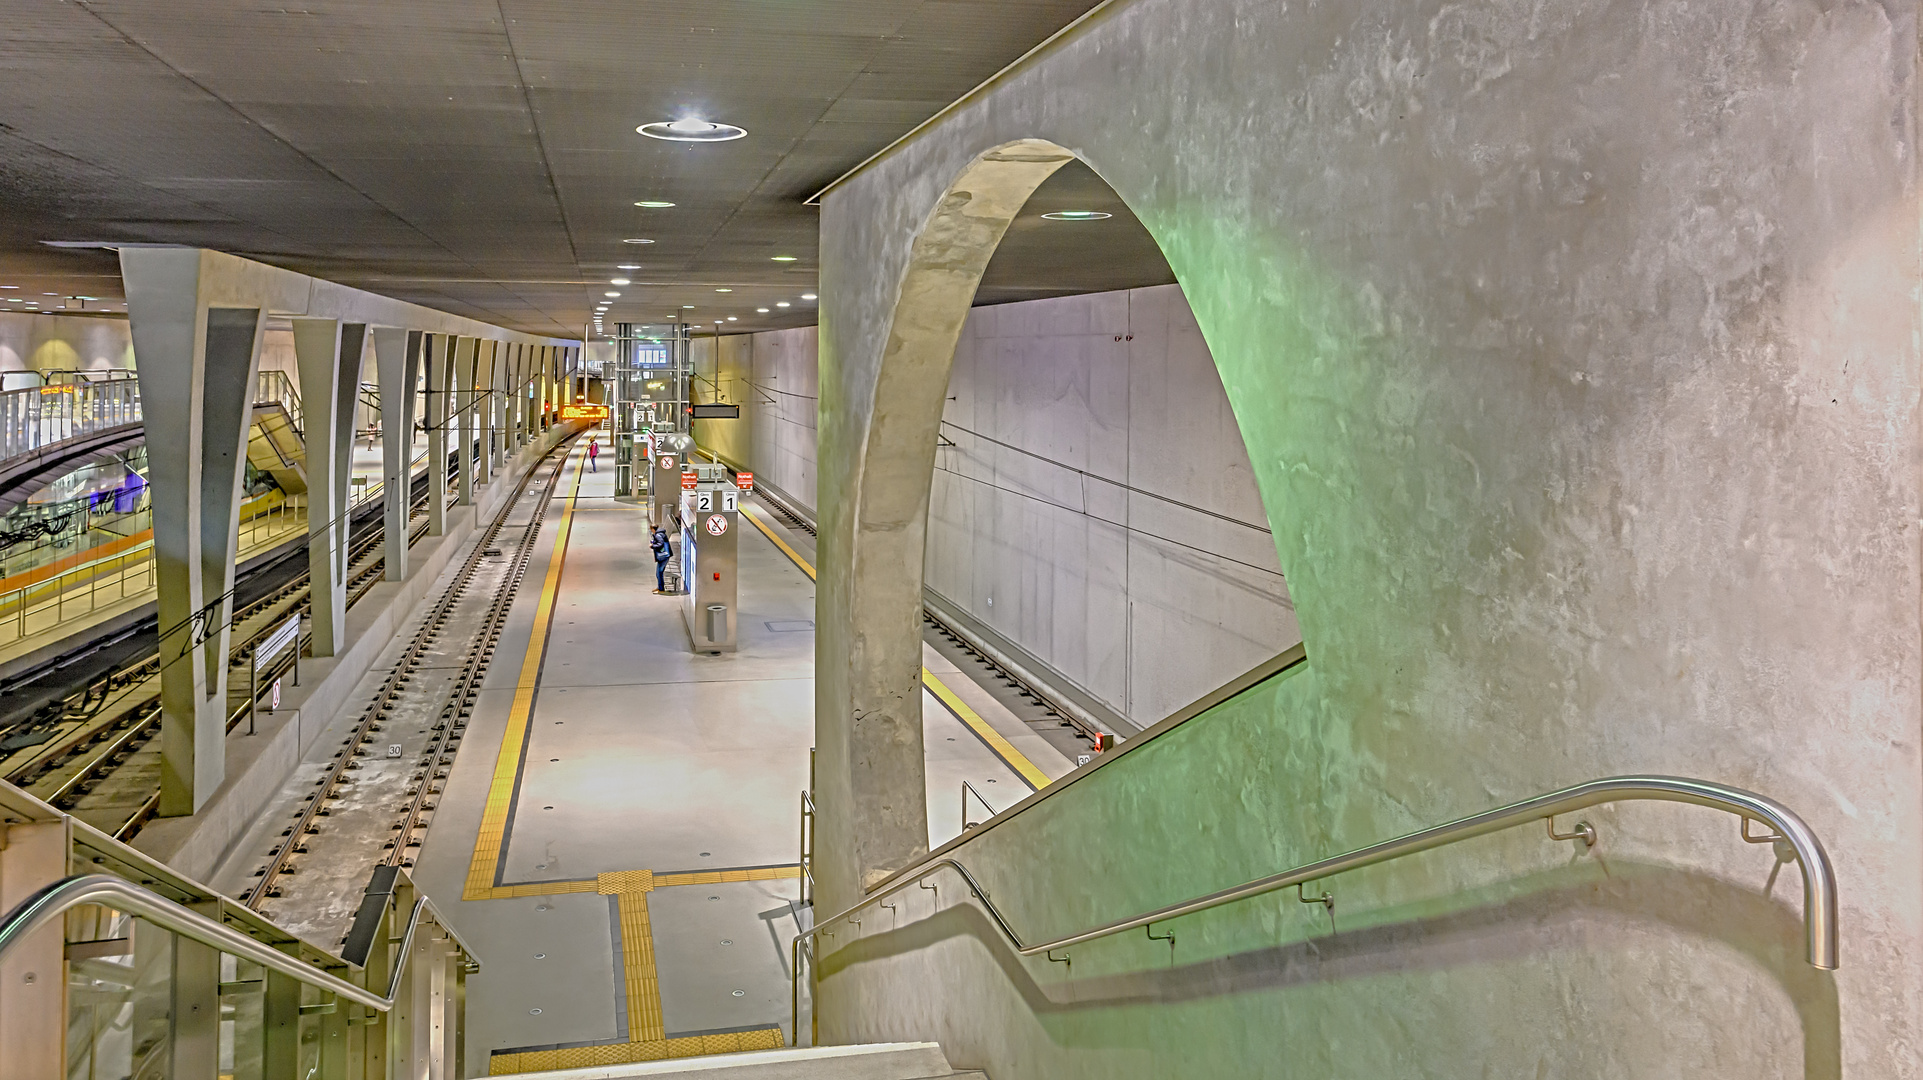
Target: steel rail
1820 925
47 907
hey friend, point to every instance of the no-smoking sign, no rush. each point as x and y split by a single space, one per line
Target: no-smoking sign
716 524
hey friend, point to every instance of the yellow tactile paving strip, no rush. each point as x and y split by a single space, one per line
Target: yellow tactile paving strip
492 839
647 1036
1000 746
637 958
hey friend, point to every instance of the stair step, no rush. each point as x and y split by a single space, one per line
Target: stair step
871 1061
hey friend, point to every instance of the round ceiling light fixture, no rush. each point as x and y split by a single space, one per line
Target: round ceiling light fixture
692 131
654 204
610 294
761 310
1077 215
731 318
618 281
808 296
781 303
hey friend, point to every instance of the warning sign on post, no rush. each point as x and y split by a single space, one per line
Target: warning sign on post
717 524
745 481
688 481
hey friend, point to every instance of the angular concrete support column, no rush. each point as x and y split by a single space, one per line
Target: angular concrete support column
440 370
486 355
197 365
328 353
464 427
397 359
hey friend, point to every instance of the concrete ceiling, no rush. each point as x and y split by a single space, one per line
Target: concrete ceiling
479 156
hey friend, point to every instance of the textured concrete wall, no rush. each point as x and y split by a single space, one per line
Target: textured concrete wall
1097 508
56 343
1576 351
772 375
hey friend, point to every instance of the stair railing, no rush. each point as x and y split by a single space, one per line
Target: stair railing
1793 839
130 939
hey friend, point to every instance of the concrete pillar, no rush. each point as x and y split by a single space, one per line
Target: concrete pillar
439 372
486 354
328 353
196 372
464 427
397 359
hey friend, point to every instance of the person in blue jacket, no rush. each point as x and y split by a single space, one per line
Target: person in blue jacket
663 551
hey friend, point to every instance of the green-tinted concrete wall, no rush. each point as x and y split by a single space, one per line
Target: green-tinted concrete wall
1576 351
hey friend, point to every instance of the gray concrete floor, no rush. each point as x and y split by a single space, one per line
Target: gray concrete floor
642 755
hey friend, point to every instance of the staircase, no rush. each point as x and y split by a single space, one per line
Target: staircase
875 1061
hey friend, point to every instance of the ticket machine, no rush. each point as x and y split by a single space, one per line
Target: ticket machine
709 522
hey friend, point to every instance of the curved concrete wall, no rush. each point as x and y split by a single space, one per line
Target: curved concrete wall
56 343
1576 351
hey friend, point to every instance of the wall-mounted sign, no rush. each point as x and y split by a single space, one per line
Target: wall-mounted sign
713 411
583 412
716 524
745 481
688 481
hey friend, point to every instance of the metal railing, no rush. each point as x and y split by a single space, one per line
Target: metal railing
40 416
234 994
968 789
1793 840
274 385
47 604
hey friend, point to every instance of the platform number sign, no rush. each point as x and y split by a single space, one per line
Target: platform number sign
704 503
716 524
730 499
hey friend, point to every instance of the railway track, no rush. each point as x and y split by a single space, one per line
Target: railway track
373 800
99 759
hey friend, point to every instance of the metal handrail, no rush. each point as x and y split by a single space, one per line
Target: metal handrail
968 789
51 903
1819 881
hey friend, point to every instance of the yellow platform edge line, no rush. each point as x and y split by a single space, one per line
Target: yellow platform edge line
1000 745
491 840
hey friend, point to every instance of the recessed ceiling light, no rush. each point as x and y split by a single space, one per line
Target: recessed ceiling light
49 294
808 296
687 307
761 310
9 286
731 318
691 131
637 240
618 281
783 258
13 300
654 204
724 290
629 266
1077 215
610 293
86 298
781 303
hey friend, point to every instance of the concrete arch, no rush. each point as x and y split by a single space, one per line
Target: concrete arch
1487 376
890 492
